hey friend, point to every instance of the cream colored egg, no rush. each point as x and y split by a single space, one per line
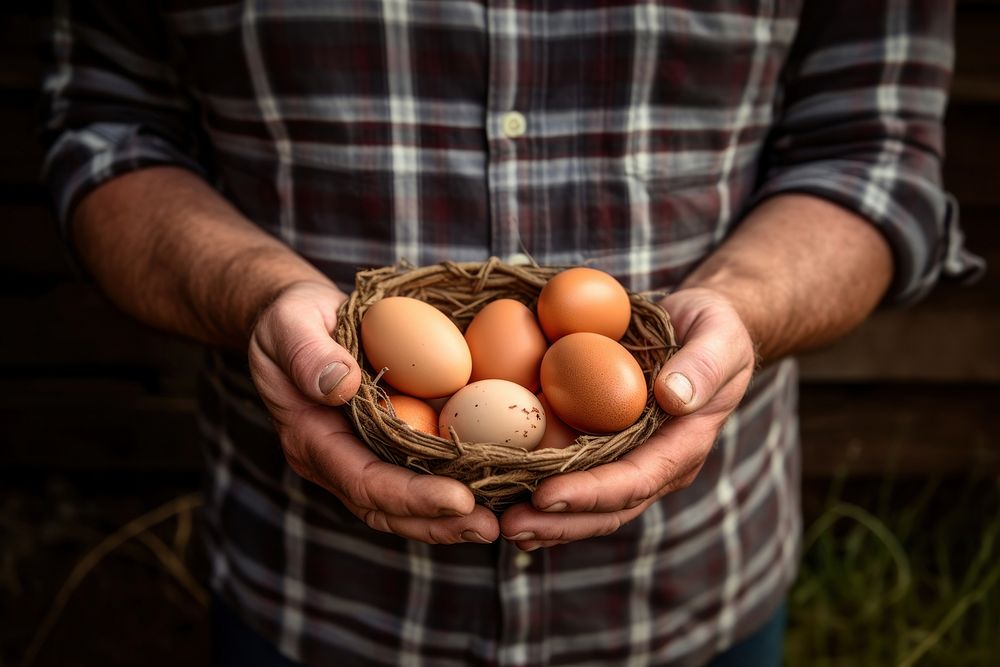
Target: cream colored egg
497 411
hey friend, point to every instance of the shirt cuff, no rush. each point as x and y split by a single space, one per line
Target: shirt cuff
919 221
82 159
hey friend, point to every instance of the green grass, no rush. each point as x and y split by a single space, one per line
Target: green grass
897 574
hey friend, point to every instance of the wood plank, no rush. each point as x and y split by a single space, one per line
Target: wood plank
971 88
905 430
948 337
31 250
977 59
971 169
24 31
21 154
71 325
98 428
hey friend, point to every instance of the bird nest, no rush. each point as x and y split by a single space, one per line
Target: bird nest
498 474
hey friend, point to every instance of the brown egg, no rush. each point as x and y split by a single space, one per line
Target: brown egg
416 413
583 299
437 403
506 343
425 353
593 383
557 435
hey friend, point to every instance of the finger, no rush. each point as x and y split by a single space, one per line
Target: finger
479 527
666 462
527 527
344 465
295 332
716 348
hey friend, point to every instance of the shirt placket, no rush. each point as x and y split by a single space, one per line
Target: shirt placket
521 583
506 127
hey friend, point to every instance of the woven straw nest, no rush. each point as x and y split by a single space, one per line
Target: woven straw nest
499 475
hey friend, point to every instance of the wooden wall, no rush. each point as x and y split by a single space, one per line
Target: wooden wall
915 390
84 389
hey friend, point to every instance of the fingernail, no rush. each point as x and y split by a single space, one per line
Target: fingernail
681 386
533 547
557 506
473 536
526 535
331 376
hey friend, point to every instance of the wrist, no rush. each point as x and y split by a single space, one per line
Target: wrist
745 297
697 306
800 272
256 283
322 290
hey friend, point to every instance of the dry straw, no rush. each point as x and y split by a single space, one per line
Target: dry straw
498 474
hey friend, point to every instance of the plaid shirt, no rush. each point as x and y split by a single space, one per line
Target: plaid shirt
630 135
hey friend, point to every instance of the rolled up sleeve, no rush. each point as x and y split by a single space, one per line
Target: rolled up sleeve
861 124
113 103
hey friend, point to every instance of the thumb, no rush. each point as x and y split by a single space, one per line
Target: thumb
295 333
682 387
715 348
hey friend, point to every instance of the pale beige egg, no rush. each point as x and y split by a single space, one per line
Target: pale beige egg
497 411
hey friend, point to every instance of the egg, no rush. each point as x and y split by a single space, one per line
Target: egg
506 343
417 414
424 352
558 434
583 299
593 383
438 402
497 411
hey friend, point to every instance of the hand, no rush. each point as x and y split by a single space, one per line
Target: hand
700 385
300 372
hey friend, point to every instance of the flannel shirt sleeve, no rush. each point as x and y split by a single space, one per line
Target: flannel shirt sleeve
860 124
112 100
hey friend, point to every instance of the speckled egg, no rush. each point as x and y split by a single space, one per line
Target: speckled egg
497 411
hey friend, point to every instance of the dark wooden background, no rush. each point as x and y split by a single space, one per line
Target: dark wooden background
96 412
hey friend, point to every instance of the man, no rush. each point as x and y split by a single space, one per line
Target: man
222 170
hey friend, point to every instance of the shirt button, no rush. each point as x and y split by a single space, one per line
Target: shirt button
522 560
513 124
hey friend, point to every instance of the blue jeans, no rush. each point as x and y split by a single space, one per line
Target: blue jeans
764 648
235 644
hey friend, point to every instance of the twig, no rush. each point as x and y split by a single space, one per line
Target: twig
904 576
182 536
91 559
950 619
174 566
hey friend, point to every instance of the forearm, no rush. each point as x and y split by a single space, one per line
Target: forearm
800 271
172 252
